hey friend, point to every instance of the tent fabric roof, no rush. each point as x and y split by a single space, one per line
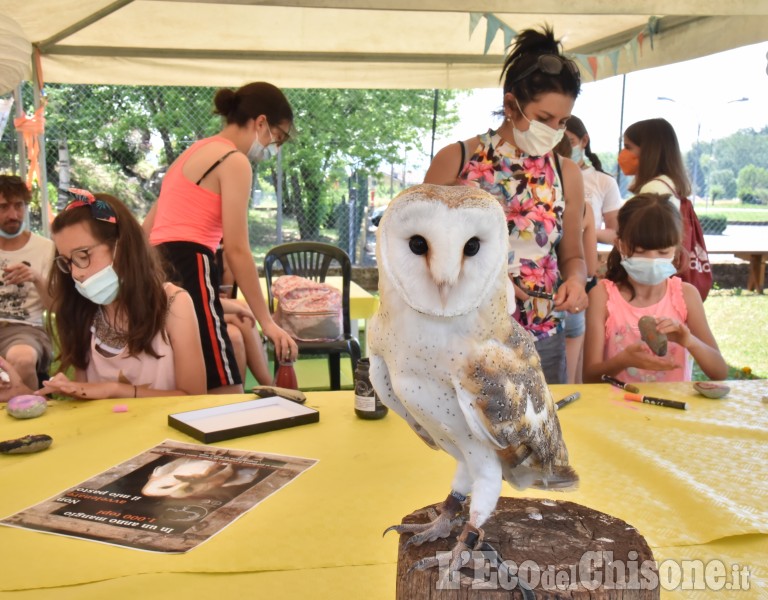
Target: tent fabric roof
357 43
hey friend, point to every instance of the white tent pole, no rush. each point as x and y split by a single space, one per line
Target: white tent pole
621 124
279 192
434 124
43 183
19 136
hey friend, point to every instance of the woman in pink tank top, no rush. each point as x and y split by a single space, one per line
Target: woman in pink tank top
639 283
204 199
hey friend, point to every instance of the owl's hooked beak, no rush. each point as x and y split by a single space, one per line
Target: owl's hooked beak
445 274
443 289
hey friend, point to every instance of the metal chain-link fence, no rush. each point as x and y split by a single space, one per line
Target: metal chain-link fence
355 150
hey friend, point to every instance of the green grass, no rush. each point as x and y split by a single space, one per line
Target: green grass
739 322
262 230
734 210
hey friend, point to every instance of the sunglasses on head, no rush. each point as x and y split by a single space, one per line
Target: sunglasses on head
550 64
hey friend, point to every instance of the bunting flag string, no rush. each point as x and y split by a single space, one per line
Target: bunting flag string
590 62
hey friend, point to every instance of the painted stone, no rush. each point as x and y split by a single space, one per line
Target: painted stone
26 444
711 389
26 406
656 340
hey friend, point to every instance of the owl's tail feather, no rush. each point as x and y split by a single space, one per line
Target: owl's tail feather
561 478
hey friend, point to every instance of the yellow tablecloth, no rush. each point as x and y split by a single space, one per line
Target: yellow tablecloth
693 483
362 304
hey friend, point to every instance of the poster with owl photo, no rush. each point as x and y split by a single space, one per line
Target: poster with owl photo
170 498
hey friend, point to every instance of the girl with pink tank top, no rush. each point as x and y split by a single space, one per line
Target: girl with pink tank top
639 282
204 201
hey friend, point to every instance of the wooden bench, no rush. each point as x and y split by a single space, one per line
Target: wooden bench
745 250
757 257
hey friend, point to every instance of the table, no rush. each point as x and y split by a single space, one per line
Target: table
693 483
756 257
744 249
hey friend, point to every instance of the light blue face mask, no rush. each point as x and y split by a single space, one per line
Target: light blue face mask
24 226
577 154
101 287
648 271
258 151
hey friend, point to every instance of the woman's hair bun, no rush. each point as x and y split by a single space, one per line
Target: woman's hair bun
541 41
224 101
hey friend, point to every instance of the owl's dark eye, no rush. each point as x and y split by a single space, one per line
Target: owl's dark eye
418 245
472 247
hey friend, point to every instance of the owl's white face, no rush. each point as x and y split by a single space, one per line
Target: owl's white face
443 249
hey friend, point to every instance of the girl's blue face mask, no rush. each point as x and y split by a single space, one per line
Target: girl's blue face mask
648 271
101 287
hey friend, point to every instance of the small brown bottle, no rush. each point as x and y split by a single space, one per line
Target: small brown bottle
367 403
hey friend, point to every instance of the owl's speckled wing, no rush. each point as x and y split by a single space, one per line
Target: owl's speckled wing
504 395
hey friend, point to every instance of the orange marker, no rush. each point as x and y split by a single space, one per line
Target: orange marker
656 401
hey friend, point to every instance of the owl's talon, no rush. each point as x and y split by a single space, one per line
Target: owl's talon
423 564
440 527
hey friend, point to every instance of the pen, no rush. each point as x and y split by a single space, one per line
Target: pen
534 293
620 384
656 401
567 400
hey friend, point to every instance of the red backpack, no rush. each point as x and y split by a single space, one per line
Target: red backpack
699 271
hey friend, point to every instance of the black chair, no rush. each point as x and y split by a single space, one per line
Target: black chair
312 260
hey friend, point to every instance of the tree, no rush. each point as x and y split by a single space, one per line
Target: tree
723 184
355 131
112 132
695 170
753 185
121 138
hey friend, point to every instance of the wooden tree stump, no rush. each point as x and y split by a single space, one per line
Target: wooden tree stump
560 549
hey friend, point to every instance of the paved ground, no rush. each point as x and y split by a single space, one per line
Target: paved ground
753 237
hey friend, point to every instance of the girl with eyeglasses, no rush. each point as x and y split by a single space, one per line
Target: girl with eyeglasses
124 330
204 199
515 162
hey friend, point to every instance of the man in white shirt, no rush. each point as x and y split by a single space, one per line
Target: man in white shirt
25 259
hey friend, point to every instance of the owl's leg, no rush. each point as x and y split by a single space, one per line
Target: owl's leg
440 526
486 488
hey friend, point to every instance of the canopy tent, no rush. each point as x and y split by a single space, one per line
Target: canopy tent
363 43
358 43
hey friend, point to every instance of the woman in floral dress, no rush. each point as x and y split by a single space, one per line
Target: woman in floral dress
543 196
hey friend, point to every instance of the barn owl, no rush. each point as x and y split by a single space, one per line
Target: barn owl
447 357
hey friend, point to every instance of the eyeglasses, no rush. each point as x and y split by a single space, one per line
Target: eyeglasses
286 135
81 258
550 64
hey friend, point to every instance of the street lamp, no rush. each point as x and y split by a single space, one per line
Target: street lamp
714 146
695 174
